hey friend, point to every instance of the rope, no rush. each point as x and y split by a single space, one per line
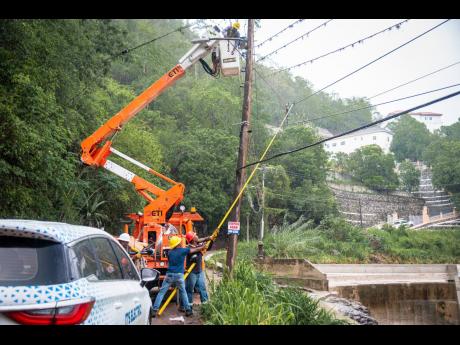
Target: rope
217 230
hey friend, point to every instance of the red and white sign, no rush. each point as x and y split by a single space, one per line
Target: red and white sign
233 225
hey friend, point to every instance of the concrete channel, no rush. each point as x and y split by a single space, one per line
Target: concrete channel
406 294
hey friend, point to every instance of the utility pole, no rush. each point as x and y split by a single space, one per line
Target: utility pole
360 213
261 233
247 227
244 141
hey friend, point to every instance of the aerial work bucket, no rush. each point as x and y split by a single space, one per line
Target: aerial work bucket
229 58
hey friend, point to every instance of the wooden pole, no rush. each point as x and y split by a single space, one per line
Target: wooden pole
244 143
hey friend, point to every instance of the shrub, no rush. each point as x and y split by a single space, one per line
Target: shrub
251 298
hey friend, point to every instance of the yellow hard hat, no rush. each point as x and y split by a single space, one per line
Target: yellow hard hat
236 25
174 241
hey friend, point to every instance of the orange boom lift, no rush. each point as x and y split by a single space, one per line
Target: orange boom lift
96 149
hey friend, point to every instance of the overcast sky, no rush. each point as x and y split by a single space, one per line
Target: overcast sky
437 49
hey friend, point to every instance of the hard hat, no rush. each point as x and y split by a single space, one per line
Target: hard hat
174 241
189 236
236 25
124 237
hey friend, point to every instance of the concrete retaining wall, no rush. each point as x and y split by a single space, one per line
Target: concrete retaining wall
393 293
300 271
407 304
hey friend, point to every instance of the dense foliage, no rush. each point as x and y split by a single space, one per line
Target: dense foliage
61 79
337 241
411 137
373 168
443 155
409 175
250 297
295 184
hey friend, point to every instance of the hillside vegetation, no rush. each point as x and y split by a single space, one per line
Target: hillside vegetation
336 241
62 79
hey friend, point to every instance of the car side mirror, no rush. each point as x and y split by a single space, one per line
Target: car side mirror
149 275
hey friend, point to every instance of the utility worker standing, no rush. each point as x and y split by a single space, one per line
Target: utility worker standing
175 274
123 239
197 278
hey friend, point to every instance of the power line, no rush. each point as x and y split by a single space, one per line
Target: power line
298 38
375 60
290 26
426 75
127 50
355 129
344 47
280 99
375 105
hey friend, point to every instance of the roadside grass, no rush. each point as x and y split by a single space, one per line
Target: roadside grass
337 241
252 298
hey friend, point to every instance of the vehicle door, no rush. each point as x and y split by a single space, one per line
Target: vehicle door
97 262
139 297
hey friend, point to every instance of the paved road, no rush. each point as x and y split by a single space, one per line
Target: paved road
172 310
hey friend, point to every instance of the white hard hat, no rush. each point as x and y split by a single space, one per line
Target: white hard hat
124 237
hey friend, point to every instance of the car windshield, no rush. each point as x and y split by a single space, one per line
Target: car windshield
27 261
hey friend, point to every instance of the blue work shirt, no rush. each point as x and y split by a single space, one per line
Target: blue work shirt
176 259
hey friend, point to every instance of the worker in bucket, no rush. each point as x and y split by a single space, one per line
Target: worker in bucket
175 274
197 278
232 30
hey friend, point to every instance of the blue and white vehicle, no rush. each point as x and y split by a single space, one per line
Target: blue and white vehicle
57 273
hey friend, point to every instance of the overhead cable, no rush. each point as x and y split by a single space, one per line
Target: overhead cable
354 130
298 38
156 38
374 105
373 61
278 33
423 76
397 26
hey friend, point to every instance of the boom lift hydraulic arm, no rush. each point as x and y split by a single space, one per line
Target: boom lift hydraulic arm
98 146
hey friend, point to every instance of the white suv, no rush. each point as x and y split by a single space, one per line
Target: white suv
56 273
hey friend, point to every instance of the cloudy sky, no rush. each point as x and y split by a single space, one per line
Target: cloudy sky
435 50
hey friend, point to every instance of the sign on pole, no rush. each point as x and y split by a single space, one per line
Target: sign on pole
234 228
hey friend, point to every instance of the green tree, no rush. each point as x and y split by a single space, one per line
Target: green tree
410 139
451 132
372 167
205 161
309 195
49 71
410 176
443 155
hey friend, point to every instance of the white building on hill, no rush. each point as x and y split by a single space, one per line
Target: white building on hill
432 120
368 136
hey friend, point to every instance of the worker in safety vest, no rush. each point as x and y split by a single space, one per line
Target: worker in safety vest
197 278
175 274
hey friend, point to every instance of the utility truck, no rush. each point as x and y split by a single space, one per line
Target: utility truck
152 227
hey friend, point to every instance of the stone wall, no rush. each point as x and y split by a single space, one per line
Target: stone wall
374 208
